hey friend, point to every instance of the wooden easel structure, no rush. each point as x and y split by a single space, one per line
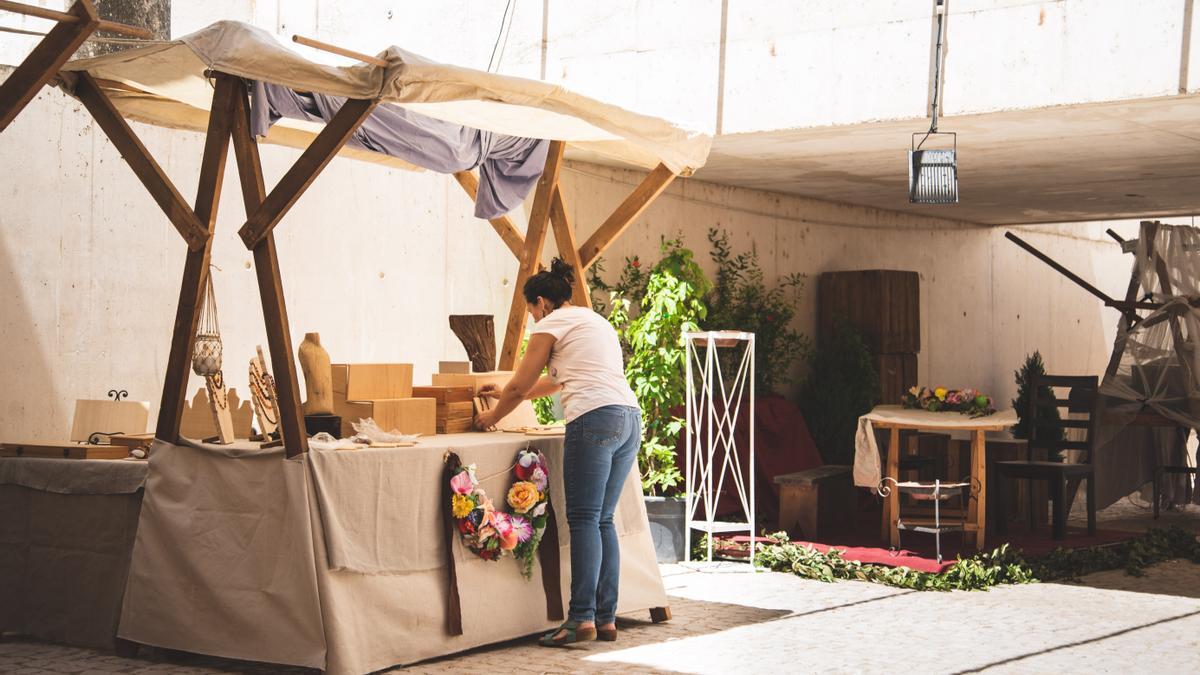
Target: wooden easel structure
229 120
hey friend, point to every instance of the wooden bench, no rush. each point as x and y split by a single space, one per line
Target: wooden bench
816 503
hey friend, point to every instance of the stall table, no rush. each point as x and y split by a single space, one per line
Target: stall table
336 559
66 535
895 418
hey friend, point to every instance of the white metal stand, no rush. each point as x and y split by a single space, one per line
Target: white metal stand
714 407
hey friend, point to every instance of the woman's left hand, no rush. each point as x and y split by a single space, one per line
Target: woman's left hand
486 420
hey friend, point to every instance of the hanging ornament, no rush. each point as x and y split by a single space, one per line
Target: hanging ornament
206 354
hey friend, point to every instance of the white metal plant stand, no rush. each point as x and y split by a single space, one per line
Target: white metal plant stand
714 406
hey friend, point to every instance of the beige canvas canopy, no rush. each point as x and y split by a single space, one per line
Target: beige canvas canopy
165 85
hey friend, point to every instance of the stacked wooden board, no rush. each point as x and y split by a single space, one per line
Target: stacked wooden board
523 416
384 392
455 412
884 306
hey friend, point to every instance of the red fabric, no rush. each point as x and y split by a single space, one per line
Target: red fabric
782 445
738 547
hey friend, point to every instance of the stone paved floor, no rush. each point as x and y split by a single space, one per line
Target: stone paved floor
731 621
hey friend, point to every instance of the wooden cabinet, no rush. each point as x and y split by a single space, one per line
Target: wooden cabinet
883 305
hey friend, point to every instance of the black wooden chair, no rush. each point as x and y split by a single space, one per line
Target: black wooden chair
1048 433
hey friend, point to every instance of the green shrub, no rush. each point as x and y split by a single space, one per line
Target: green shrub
841 386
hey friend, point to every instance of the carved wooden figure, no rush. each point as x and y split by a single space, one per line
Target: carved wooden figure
318 376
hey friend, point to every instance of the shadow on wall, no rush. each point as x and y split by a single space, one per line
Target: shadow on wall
29 397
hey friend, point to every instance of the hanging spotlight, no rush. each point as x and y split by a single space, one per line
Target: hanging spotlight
933 173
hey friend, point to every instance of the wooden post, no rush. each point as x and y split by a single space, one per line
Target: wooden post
535 238
977 513
270 283
147 170
650 188
195 267
45 60
568 250
891 503
312 161
504 227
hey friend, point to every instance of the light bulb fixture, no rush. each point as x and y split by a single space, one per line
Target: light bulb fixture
933 173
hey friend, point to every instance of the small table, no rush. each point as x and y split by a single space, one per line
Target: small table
895 418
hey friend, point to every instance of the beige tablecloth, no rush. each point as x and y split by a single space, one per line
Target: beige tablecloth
333 560
867 469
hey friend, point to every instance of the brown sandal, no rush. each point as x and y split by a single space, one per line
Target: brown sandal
570 634
606 634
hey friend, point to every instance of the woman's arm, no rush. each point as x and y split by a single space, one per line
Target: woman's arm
524 382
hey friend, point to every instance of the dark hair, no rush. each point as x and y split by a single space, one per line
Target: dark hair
553 284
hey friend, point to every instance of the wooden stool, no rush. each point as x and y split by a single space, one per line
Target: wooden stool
817 502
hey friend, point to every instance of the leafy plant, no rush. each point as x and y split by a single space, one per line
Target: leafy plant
543 407
740 300
671 303
987 569
1033 366
842 385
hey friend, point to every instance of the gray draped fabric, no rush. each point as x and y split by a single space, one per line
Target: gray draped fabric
509 166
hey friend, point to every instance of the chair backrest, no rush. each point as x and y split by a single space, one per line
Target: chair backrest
1047 432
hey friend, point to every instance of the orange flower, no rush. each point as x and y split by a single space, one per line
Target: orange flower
523 496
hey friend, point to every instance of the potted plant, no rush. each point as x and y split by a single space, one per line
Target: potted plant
671 304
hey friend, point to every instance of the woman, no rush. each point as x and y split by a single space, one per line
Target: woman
583 356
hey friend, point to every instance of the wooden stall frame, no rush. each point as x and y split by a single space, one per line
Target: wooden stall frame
229 120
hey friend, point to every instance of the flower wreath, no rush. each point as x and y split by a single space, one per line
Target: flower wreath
488 532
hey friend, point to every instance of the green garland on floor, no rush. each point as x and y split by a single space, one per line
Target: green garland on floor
987 569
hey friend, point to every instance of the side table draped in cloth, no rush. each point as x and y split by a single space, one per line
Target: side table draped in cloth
336 559
66 534
867 471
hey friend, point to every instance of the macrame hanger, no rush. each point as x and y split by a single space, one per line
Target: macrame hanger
206 355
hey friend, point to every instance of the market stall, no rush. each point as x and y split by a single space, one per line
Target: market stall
336 559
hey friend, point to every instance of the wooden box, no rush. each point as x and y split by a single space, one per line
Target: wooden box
406 415
64 450
445 394
897 374
884 305
371 381
523 416
816 503
109 417
455 367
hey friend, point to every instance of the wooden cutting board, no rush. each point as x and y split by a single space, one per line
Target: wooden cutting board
64 450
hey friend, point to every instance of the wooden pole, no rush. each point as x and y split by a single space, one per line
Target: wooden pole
195 266
1059 268
649 189
334 49
270 283
74 18
306 169
535 238
504 227
46 59
160 187
568 250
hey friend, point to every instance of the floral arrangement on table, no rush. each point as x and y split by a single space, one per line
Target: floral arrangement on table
489 532
966 401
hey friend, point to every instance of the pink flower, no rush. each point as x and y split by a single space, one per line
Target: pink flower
502 522
522 527
539 479
461 483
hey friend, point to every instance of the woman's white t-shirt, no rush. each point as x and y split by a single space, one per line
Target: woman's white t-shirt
586 360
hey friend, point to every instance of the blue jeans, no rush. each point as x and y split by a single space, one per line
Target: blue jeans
600 448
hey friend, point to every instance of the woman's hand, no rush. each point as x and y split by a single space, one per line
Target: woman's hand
486 420
489 391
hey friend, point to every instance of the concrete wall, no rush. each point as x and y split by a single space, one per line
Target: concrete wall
375 259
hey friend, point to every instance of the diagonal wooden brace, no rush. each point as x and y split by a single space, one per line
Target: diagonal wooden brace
568 250
195 266
633 206
45 60
306 169
147 170
504 227
531 255
270 283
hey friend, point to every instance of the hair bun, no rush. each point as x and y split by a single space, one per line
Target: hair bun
560 269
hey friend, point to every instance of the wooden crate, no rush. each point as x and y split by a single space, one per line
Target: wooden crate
883 305
371 381
523 416
897 373
406 415
816 503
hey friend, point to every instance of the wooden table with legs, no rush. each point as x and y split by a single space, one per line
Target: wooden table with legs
895 419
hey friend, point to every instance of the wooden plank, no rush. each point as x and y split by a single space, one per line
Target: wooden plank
504 227
340 51
270 284
370 381
1058 268
160 187
195 266
977 510
650 188
46 59
891 503
531 255
306 169
75 18
568 250
108 416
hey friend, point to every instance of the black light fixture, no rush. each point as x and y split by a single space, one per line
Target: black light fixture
933 173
